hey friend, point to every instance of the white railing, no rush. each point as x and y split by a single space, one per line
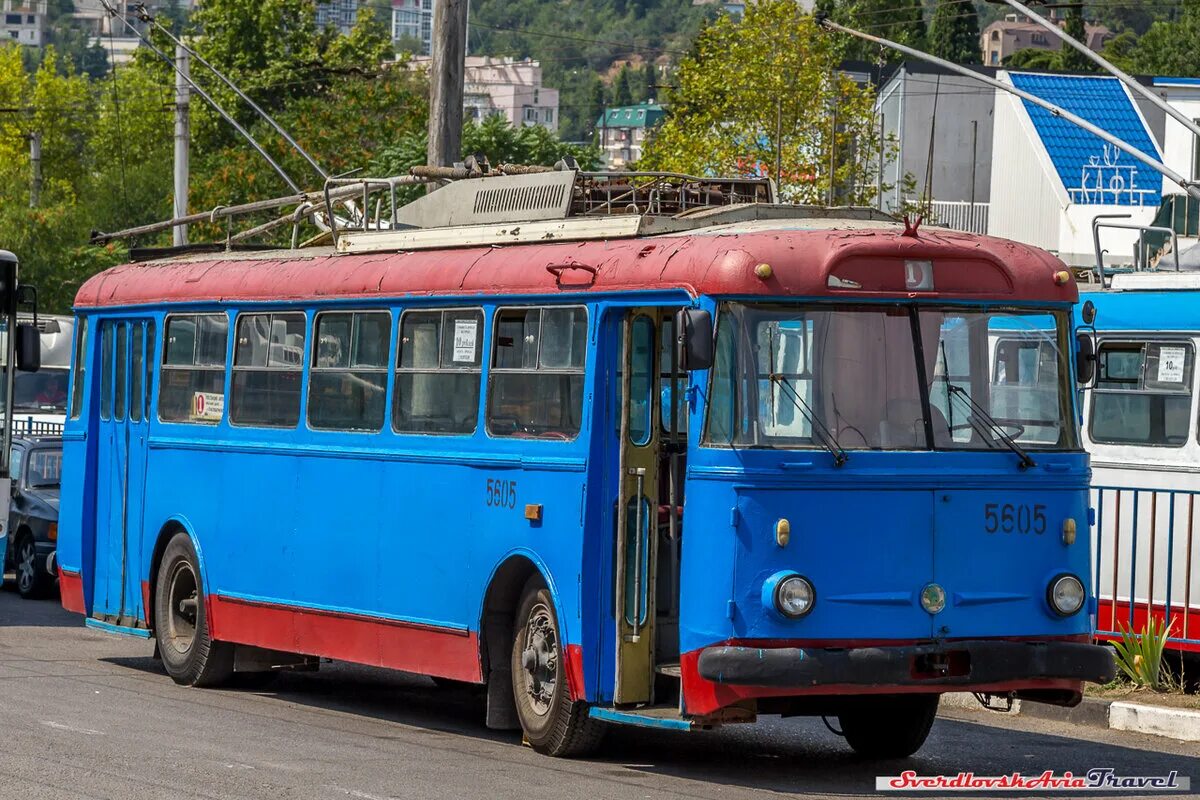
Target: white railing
961 215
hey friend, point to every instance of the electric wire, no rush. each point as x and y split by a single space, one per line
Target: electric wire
117 112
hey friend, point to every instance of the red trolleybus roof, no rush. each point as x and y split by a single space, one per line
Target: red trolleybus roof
844 259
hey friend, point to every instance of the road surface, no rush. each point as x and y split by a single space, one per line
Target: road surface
91 715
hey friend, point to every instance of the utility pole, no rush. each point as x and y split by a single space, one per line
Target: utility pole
183 136
35 168
446 82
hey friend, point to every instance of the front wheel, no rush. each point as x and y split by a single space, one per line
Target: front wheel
889 727
32 580
554 724
188 651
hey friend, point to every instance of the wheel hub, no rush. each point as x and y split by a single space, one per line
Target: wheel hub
26 565
539 660
182 607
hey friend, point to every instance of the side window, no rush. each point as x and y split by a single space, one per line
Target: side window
106 363
536 385
348 382
81 359
192 383
268 367
438 365
150 340
122 373
136 370
1143 394
16 463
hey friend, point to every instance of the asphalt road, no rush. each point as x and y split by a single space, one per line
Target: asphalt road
90 715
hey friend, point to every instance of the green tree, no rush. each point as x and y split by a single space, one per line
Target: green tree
1172 48
1070 59
622 88
774 95
648 89
1033 58
954 32
901 21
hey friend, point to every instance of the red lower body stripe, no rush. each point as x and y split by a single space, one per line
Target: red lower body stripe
70 588
429 650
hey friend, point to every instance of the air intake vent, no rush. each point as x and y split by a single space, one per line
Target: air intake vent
526 198
495 200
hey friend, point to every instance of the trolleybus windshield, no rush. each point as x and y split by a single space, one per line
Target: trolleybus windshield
891 377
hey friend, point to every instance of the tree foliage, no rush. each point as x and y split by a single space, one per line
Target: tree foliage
954 32
764 87
1171 48
901 21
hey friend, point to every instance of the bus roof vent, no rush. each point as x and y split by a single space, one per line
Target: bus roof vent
493 200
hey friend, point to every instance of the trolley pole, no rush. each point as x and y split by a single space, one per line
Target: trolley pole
35 169
183 135
446 82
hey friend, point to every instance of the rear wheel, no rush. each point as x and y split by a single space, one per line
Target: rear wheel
32 580
889 727
553 723
186 647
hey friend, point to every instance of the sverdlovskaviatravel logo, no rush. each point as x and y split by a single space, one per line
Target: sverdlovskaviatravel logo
1048 781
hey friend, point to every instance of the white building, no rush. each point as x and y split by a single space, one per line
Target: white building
509 87
412 21
1180 147
341 14
23 21
1051 179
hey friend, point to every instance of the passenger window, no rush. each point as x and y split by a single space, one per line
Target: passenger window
106 363
136 371
672 386
1143 394
438 364
536 384
641 382
192 387
81 358
268 370
150 340
348 383
122 373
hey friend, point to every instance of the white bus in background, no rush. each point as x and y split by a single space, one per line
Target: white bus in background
40 398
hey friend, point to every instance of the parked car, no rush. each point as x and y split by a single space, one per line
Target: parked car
33 515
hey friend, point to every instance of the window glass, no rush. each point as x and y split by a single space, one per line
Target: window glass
438 371
192 383
348 382
15 464
106 363
1143 393
641 381
672 386
81 358
150 340
122 377
45 468
267 370
532 395
136 373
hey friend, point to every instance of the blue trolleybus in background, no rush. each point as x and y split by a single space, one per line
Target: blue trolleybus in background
699 459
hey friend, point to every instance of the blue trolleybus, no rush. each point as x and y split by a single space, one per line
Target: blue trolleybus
671 459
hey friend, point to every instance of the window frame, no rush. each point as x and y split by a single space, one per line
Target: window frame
162 365
232 368
1143 342
79 365
396 370
313 369
493 370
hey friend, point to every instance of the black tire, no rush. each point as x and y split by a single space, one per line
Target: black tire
891 726
189 654
32 579
553 724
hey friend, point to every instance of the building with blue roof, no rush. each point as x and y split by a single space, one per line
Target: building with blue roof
1050 178
623 130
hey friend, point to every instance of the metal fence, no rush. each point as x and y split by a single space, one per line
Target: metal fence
1145 561
31 427
961 215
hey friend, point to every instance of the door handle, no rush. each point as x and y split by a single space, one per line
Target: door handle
638 519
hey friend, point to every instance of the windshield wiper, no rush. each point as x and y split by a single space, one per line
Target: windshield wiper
990 421
826 437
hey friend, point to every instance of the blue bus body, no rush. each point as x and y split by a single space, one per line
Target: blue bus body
411 550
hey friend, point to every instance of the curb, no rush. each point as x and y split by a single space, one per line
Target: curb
1181 724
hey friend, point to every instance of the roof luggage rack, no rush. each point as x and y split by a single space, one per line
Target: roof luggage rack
476 205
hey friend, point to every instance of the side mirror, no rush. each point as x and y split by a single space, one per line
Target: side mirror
1085 358
1088 313
29 348
694 332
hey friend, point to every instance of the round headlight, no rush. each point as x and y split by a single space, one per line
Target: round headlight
794 597
1066 595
